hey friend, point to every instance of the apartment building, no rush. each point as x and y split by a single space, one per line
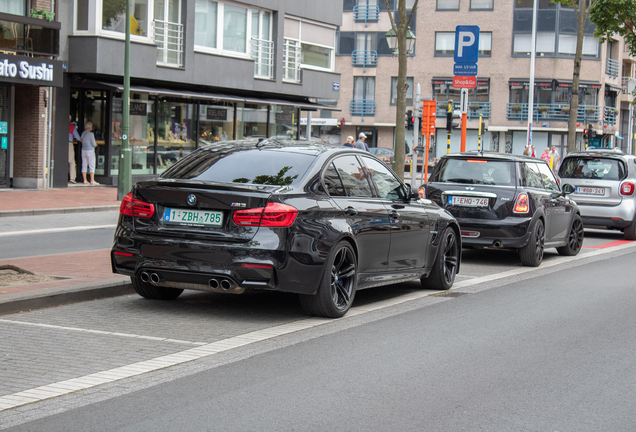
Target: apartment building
201 71
501 97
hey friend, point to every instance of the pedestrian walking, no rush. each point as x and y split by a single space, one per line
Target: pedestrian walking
533 153
72 135
349 142
526 151
88 153
546 155
360 144
555 156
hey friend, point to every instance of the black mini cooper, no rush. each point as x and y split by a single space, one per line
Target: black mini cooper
313 219
507 201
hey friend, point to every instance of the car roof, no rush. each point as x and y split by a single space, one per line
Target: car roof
606 153
313 147
494 155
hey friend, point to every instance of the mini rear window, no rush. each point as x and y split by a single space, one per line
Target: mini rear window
280 167
592 168
476 171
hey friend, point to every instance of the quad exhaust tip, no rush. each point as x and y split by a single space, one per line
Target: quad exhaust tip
155 278
213 283
226 284
145 277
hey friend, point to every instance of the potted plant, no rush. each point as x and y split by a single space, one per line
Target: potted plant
590 110
516 108
41 13
565 109
474 106
543 108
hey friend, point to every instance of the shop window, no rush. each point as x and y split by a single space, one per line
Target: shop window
283 122
409 91
95 112
216 122
114 16
141 134
251 121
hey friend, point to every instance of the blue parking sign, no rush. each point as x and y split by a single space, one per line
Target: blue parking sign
466 44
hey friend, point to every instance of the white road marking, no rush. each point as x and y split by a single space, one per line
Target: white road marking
84 382
56 230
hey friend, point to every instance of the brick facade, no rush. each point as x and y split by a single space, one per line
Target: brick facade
28 141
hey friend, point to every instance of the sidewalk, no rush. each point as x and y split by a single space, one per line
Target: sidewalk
71 282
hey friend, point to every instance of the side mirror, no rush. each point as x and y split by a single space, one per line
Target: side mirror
568 189
410 193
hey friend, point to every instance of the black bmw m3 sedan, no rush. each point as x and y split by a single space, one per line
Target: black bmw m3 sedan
302 217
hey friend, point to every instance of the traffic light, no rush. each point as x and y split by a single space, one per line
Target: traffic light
586 134
410 120
449 120
419 123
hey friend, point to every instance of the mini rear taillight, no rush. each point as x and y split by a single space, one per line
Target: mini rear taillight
521 205
422 192
273 215
627 188
133 207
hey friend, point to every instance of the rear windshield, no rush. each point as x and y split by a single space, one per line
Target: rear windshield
476 171
592 168
280 167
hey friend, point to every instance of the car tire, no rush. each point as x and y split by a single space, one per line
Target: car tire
532 254
630 231
337 286
444 270
149 291
575 238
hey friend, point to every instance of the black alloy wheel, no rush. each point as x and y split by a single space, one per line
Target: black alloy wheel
337 287
532 254
444 270
575 238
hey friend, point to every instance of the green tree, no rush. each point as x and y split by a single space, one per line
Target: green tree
400 104
615 17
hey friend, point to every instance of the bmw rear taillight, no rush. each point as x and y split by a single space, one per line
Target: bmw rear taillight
273 215
627 188
521 205
422 192
133 207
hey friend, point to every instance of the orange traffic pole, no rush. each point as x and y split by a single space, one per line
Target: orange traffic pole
425 161
463 142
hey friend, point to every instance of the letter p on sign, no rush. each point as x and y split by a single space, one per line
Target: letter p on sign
466 44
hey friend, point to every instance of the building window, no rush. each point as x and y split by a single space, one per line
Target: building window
317 43
443 91
234 28
114 16
485 44
364 88
374 41
444 44
205 23
81 18
13 7
481 5
409 91
447 5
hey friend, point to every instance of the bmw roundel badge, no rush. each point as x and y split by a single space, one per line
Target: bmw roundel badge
192 199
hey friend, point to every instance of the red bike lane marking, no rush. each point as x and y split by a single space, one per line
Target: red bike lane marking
609 244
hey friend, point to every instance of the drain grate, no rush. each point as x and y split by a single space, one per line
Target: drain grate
450 294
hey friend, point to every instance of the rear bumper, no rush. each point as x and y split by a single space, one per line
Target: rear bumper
248 265
512 232
604 222
619 216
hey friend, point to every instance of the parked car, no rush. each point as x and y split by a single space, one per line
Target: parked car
314 219
507 201
384 154
604 181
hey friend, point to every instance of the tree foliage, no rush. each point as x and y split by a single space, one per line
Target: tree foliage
615 17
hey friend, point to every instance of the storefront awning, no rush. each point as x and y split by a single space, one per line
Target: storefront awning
305 106
613 87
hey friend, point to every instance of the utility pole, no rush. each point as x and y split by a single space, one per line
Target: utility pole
532 59
124 179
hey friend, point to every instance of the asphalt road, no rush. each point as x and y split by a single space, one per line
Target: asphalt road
546 349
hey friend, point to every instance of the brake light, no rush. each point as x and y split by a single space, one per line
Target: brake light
627 188
476 161
422 192
273 215
521 205
137 208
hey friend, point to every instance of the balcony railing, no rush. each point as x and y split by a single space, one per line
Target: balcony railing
366 13
291 61
364 58
169 39
263 55
612 67
362 107
29 36
556 112
610 116
475 109
625 84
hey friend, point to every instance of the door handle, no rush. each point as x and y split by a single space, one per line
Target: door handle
397 206
394 214
350 211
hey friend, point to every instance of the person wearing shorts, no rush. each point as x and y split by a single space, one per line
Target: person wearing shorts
88 152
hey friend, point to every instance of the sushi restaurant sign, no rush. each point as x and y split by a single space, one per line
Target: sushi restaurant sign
30 70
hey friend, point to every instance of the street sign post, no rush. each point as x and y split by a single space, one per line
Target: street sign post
429 109
465 68
466 44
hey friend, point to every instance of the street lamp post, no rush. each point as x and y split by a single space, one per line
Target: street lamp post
402 43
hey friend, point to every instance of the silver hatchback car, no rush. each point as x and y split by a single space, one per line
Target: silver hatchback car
605 183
